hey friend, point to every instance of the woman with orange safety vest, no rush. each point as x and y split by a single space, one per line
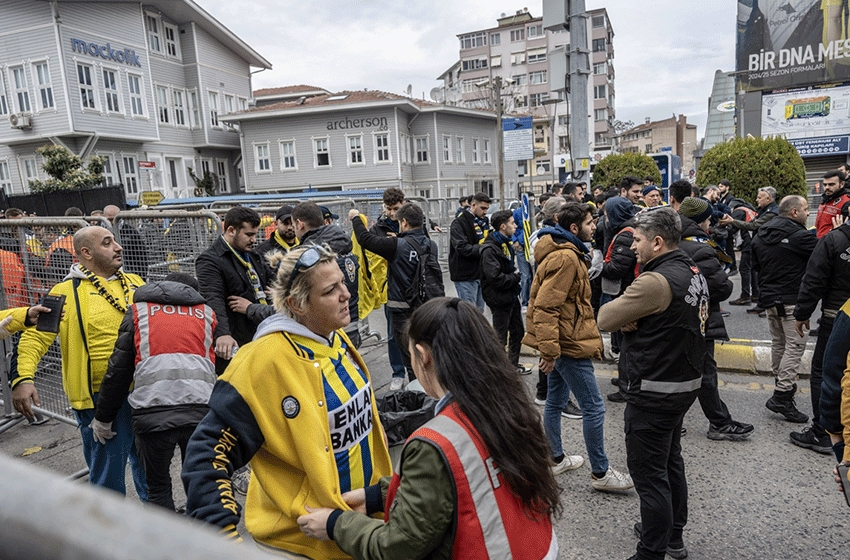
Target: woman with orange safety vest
476 472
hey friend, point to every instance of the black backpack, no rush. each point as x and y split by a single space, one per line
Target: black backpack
427 279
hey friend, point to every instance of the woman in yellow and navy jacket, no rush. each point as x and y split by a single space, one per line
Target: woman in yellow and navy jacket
297 403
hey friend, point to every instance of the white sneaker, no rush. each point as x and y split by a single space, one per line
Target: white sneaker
397 384
612 481
524 309
539 402
568 463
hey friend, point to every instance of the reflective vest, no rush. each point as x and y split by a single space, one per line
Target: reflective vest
827 211
66 243
491 520
175 354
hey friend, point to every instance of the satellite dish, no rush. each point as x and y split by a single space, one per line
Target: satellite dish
409 90
438 95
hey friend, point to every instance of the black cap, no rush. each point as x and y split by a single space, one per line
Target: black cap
283 212
327 214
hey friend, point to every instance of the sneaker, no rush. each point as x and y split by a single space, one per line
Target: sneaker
524 369
540 402
613 480
743 300
240 480
524 309
568 463
397 384
813 333
615 381
809 439
755 309
571 411
763 314
675 550
733 272
684 431
617 397
733 431
724 313
783 403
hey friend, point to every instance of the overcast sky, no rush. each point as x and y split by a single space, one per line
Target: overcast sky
666 51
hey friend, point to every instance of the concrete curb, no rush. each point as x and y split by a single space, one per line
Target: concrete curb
734 356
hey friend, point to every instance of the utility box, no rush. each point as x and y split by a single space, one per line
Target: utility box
559 65
556 15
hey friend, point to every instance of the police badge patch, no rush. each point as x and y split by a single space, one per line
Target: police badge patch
290 406
350 268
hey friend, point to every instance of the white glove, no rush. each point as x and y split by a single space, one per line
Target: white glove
101 431
4 332
595 264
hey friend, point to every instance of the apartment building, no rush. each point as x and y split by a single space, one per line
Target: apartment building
669 135
143 84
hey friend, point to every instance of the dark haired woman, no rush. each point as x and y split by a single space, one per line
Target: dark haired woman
473 482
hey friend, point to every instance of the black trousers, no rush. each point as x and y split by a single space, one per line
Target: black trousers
156 449
824 330
655 462
709 397
749 277
507 322
400 319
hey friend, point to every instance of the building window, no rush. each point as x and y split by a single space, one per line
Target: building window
486 143
84 73
600 68
355 150
599 45
45 88
228 104
131 180
469 86
162 104
648 148
518 58
598 21
602 139
221 167
520 79
600 115
535 78
405 149
109 177
476 151
536 55
447 149
473 64
496 61
535 31
460 153
382 147
288 160
537 99
22 94
194 109
563 120
5 178
172 46
30 168
521 101
179 107
473 40
213 108
564 142
545 164
421 146
599 92
137 104
243 103
518 35
321 152
522 168
264 162
153 33
495 39
110 88
4 105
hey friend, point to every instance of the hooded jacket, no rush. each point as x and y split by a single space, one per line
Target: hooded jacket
165 349
560 318
620 268
333 236
499 277
780 252
694 244
270 408
827 276
465 247
83 363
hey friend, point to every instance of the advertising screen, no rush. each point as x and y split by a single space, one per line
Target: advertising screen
816 120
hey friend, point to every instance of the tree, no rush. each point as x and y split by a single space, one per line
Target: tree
66 171
751 163
611 170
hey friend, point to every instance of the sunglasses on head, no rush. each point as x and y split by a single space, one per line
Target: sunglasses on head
308 259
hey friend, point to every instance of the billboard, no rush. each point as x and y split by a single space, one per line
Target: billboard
787 43
816 120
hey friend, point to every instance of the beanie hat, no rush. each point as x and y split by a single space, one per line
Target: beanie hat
696 209
648 189
552 207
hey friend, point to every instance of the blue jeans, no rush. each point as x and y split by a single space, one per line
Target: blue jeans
576 374
396 359
470 290
107 462
527 276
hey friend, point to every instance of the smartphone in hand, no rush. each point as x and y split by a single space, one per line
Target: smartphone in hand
845 482
49 322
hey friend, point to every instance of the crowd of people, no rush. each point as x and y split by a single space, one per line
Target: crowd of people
251 366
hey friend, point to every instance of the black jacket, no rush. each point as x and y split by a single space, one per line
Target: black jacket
621 267
384 225
135 253
499 277
719 284
464 249
401 258
827 275
780 251
220 275
122 367
340 243
270 245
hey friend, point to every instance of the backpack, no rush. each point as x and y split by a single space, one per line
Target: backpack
427 281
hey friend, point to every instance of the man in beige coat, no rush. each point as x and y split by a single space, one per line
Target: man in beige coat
561 326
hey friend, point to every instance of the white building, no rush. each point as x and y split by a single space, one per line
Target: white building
127 80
